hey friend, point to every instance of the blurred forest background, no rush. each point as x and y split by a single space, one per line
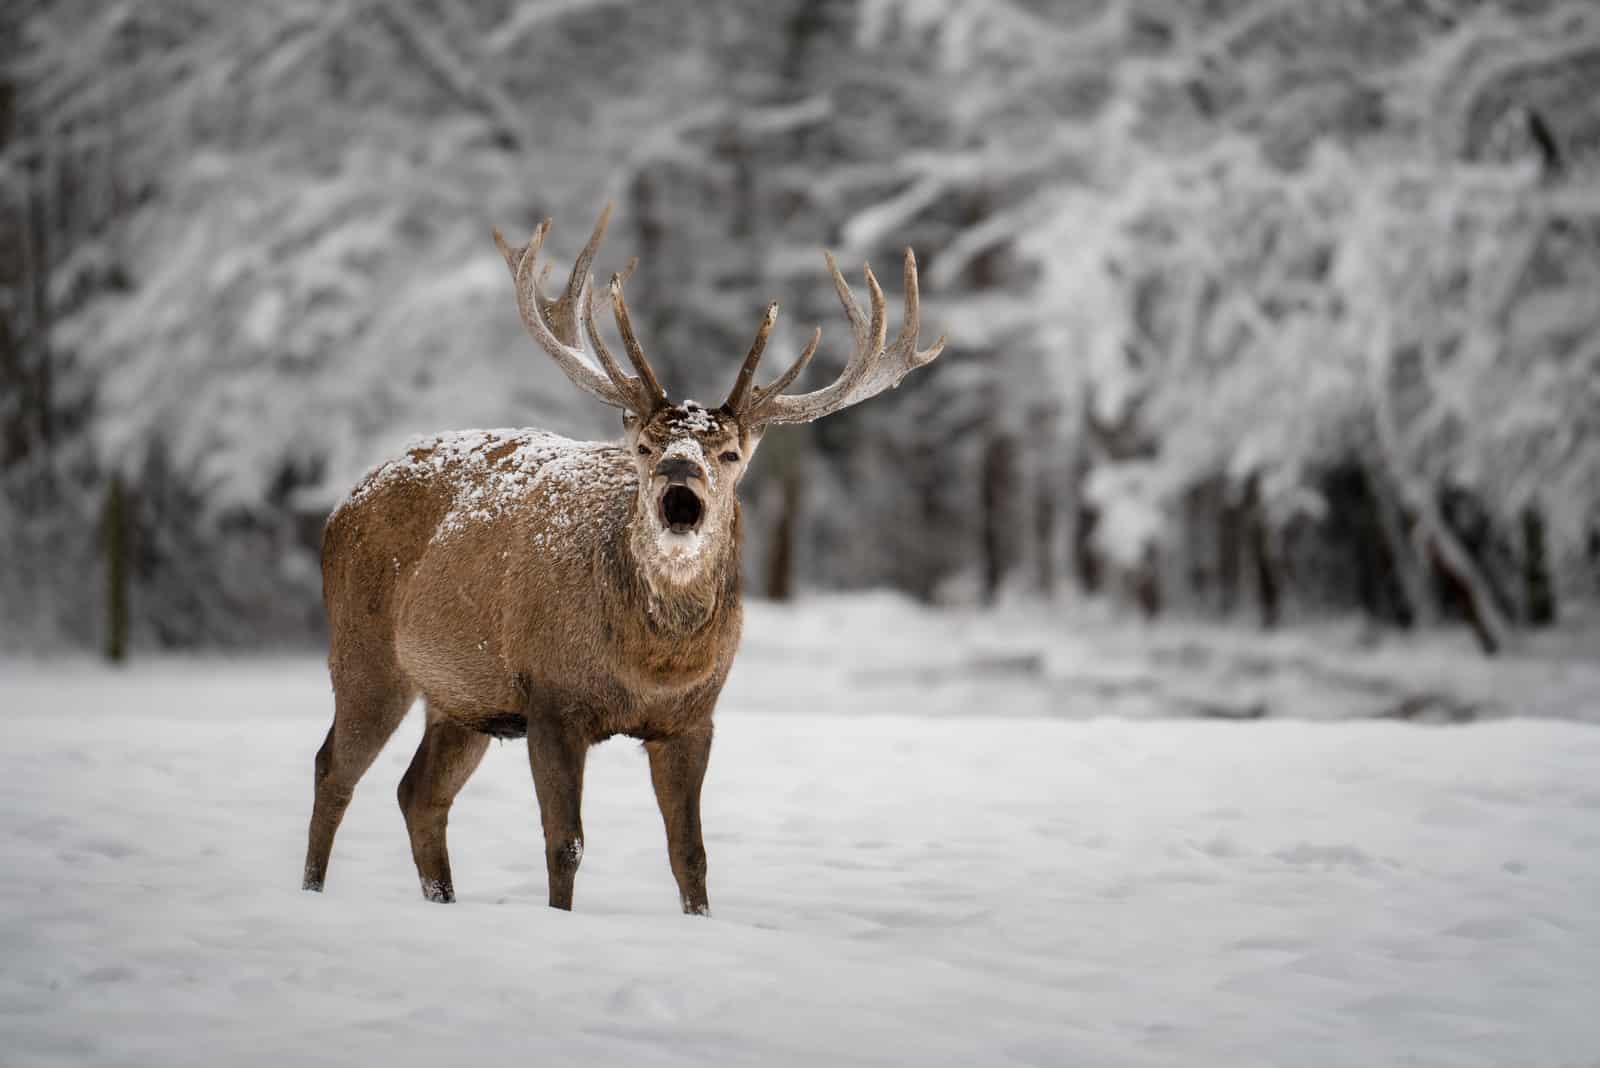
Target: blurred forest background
1274 309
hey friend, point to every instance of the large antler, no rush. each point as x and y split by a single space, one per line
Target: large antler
872 368
554 324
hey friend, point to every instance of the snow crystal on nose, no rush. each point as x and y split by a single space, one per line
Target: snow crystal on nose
688 448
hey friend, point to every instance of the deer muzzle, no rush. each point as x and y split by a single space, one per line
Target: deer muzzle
679 471
681 507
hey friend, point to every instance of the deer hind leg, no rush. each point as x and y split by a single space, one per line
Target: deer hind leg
445 760
557 757
365 715
677 768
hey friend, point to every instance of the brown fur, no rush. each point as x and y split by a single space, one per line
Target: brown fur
517 582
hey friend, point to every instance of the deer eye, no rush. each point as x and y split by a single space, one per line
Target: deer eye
644 450
730 457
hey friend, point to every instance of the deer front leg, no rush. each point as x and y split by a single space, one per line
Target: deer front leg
677 768
557 757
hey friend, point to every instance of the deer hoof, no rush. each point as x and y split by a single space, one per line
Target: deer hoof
433 890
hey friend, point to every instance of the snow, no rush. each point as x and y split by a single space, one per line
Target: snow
496 470
982 871
694 418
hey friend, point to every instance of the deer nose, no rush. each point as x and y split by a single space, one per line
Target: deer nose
678 471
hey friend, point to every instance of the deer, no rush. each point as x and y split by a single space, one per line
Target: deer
527 585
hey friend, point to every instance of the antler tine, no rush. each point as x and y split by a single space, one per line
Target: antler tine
872 346
562 313
783 381
596 302
905 343
628 269
740 393
873 366
630 342
516 256
574 363
624 382
852 310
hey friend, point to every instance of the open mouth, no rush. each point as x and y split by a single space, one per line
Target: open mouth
680 509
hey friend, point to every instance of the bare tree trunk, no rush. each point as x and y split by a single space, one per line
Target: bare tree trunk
999 479
780 549
1230 544
1045 515
1488 624
1085 562
1259 539
1437 541
40 248
1147 584
115 540
1538 592
1411 569
1085 517
1199 508
1045 503
13 385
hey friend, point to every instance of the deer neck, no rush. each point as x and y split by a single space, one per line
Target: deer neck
683 586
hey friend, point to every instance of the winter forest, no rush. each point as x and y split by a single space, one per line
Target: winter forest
1262 310
1198 663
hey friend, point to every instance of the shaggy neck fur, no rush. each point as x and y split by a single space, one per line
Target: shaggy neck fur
681 590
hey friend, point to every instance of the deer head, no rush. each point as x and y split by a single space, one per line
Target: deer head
690 458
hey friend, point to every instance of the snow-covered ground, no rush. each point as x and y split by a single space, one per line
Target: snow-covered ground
925 848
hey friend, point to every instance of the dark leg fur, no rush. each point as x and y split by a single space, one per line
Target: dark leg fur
445 760
557 758
677 768
364 719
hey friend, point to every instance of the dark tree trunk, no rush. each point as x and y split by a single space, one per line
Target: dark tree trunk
1046 502
1199 502
1259 535
1412 579
1538 593
1044 532
1230 563
1476 598
1147 584
115 540
13 378
780 550
39 226
1085 562
999 487
1085 517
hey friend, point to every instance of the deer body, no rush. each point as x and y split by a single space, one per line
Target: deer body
514 581
523 583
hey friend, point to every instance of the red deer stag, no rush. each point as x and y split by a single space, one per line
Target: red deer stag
522 583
